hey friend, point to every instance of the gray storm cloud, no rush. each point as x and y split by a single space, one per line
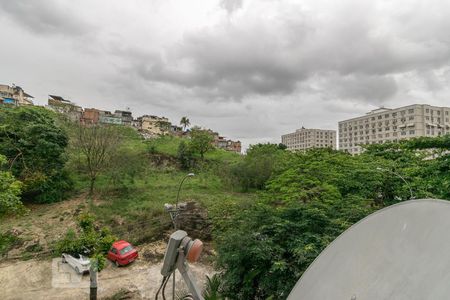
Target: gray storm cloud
254 54
246 68
45 17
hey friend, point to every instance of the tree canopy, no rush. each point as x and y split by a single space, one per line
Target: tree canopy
201 142
308 198
34 146
185 122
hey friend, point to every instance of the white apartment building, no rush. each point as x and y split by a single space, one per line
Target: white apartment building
305 138
385 124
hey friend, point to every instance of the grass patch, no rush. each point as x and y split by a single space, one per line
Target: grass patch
139 215
7 242
165 145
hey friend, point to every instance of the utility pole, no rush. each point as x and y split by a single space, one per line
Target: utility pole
93 278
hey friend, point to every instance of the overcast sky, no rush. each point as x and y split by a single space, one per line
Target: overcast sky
249 69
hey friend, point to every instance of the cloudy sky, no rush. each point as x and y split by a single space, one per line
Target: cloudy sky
250 69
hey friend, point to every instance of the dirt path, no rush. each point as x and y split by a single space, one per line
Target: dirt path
50 279
44 223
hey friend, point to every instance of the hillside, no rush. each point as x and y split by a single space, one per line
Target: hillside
264 217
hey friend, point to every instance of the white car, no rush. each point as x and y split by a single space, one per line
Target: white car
80 263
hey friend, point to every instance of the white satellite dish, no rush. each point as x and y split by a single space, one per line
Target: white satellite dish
401 252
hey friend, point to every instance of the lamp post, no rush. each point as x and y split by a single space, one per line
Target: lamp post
174 212
178 194
399 176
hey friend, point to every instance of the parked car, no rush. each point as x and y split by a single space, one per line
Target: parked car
122 253
80 263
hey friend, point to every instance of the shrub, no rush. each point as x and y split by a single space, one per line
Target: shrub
10 190
89 241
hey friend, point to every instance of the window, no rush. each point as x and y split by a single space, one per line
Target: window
386 116
411 111
411 118
427 110
380 117
412 132
126 249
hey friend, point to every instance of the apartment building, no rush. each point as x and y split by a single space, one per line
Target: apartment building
14 95
64 106
307 138
90 116
106 117
125 116
227 144
391 125
153 124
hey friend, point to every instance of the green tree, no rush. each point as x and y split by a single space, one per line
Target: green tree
260 163
34 144
185 122
308 200
201 142
185 156
10 190
97 145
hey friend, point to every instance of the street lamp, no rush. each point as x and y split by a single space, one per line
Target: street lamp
174 212
179 189
399 176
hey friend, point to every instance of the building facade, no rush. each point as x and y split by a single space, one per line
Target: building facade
226 144
91 116
66 107
106 117
125 116
391 125
153 125
14 95
307 138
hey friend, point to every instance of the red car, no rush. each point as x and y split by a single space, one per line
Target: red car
122 253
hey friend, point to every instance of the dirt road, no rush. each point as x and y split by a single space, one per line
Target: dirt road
50 279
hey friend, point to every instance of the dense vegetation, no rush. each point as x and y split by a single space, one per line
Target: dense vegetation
34 145
272 211
10 190
309 198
